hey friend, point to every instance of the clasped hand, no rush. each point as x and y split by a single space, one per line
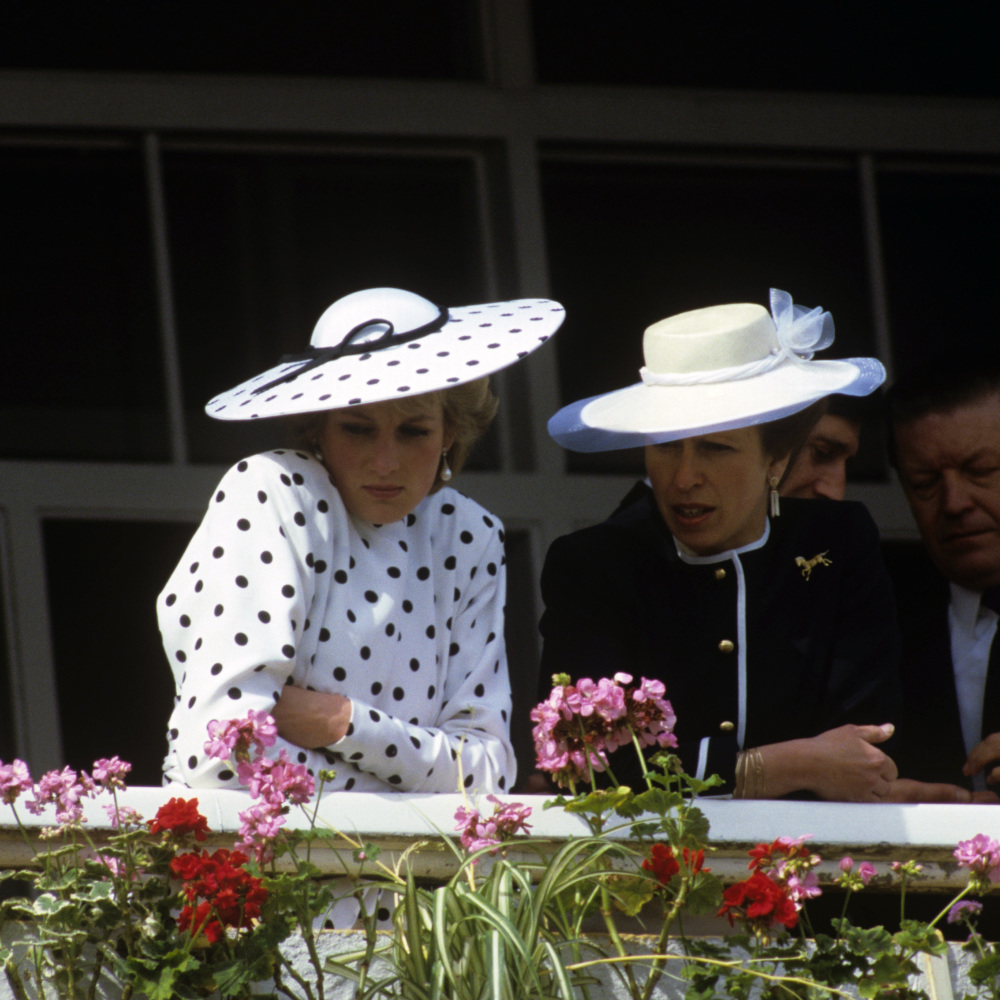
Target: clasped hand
849 767
311 719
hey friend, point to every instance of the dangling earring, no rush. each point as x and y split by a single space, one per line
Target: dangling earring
773 481
445 473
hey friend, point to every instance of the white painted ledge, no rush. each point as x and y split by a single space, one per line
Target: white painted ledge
395 821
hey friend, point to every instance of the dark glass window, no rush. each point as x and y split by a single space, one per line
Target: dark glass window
849 46
630 244
939 237
263 243
81 348
390 38
115 688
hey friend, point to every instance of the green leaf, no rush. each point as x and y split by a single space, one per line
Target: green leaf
987 970
698 787
645 831
631 893
96 892
695 828
658 800
159 982
892 969
600 801
47 905
704 894
914 935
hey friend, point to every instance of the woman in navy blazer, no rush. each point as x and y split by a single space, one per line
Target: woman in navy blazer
775 635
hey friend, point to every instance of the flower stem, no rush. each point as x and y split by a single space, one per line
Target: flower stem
609 922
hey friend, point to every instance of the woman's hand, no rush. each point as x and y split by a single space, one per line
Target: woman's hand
311 719
908 790
842 765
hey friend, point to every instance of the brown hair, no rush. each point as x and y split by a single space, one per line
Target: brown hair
940 384
467 411
786 435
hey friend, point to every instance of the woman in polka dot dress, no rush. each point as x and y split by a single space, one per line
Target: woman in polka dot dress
341 585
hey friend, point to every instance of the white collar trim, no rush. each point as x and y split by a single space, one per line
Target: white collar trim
695 560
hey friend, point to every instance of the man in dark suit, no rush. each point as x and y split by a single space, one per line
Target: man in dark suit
945 444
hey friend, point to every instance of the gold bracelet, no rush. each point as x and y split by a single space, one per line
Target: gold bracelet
756 769
740 790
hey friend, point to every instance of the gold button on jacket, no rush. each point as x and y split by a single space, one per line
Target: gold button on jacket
726 646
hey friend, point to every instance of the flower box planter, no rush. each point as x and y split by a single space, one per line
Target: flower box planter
944 978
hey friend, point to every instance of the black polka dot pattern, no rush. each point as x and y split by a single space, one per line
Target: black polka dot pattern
476 341
401 618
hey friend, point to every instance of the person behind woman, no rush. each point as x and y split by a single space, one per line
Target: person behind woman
342 585
774 635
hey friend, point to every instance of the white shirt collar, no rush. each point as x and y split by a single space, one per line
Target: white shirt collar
695 560
965 605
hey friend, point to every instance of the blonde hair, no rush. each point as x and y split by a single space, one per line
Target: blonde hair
467 411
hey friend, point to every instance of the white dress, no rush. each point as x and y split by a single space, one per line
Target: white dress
280 585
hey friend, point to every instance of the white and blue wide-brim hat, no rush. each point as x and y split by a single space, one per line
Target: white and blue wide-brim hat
717 369
386 343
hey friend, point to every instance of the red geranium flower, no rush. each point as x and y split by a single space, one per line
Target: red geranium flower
765 856
664 865
760 901
180 817
233 895
201 919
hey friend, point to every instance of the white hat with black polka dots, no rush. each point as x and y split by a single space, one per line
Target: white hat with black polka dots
385 343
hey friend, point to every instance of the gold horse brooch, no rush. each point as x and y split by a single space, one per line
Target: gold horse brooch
808 565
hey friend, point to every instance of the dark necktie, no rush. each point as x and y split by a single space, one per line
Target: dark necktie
991 696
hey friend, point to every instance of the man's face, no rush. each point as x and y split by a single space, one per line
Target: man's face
949 465
820 467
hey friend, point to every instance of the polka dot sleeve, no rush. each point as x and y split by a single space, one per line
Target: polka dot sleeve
233 613
467 743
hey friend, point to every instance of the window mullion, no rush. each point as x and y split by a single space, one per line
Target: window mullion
876 262
165 298
32 670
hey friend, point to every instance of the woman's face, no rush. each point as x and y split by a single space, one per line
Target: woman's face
384 462
712 490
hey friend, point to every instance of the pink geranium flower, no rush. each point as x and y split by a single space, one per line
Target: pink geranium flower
790 864
115 866
277 780
122 816
856 879
235 737
110 773
867 871
259 825
63 789
477 831
981 855
579 724
14 779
